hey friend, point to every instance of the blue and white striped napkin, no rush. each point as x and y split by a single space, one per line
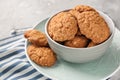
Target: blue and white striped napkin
13 62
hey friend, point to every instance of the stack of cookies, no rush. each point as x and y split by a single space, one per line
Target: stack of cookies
79 27
38 50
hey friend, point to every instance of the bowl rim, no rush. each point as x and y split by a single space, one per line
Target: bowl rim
112 30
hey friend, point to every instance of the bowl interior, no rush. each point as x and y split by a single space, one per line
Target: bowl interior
107 19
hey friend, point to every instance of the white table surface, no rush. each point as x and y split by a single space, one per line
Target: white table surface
27 13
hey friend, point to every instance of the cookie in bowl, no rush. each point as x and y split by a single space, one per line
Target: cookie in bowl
94 25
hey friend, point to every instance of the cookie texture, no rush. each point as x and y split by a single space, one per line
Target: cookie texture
62 27
74 12
42 56
77 42
79 9
93 26
91 44
83 8
36 37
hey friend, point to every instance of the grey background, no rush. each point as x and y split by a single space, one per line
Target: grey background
25 13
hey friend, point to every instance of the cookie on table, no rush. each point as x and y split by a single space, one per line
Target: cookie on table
93 26
62 27
42 56
77 42
36 37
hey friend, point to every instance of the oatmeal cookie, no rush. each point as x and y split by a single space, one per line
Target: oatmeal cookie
62 27
91 44
42 56
77 42
79 9
93 26
75 13
36 37
83 8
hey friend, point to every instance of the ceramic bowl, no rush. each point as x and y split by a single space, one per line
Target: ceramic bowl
81 55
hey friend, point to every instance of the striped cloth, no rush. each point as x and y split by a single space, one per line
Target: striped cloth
13 62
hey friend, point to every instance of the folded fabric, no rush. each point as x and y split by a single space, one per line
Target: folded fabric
13 62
